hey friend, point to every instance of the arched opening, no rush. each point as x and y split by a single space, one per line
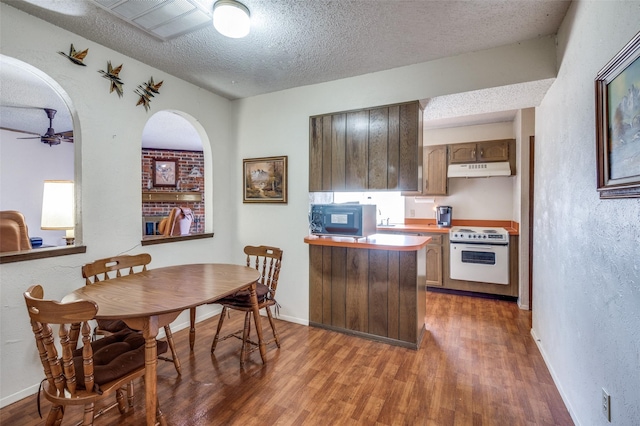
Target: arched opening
173 175
37 143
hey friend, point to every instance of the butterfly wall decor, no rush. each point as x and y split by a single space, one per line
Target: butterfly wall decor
146 91
76 57
112 74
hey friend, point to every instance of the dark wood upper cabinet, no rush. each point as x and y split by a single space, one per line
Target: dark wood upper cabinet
482 152
370 149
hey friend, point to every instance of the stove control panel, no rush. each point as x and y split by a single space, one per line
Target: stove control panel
480 235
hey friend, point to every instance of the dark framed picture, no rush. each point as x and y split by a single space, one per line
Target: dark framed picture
165 172
265 180
618 124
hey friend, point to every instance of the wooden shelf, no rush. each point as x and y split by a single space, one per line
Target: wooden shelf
171 196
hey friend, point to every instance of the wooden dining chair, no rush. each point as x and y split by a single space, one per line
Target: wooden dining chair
95 370
113 267
267 260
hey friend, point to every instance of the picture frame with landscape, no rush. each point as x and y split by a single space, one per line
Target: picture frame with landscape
617 88
265 180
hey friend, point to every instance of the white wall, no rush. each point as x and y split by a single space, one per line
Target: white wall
586 283
24 166
107 134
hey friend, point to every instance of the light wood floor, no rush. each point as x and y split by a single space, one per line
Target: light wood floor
477 365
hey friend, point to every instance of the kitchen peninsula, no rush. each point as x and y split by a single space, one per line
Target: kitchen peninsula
371 287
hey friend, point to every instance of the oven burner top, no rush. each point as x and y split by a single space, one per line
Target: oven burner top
479 235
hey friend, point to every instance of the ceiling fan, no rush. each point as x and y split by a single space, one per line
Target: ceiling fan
51 137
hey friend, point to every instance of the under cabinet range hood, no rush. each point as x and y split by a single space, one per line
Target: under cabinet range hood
471 170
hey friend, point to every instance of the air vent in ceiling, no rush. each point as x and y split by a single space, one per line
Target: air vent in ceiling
163 19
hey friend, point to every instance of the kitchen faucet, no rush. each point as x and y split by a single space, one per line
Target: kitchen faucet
381 219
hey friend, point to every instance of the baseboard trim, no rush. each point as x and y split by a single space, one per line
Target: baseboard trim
554 376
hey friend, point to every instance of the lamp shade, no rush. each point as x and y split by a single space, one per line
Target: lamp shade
231 18
58 211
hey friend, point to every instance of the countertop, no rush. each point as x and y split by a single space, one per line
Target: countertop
429 226
392 242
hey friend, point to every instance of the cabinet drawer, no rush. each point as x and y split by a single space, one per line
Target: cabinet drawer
436 239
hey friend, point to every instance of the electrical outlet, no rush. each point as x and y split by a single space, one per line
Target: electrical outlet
606 405
412 213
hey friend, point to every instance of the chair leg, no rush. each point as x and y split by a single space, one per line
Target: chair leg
246 331
160 415
55 415
87 419
273 326
172 346
130 395
220 321
122 405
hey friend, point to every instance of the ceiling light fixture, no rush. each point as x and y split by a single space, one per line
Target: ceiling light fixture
231 18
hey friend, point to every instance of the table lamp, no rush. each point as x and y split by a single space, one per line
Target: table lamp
58 210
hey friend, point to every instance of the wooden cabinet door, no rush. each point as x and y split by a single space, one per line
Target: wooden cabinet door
336 154
378 148
493 151
357 152
315 154
462 153
327 146
410 147
434 260
435 170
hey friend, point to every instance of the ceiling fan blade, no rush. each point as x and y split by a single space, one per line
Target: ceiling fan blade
66 136
31 137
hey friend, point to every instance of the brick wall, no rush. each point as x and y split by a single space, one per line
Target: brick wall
187 160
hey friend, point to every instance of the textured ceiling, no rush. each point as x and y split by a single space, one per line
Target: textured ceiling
301 42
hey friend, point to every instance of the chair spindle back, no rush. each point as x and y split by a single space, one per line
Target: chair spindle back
266 260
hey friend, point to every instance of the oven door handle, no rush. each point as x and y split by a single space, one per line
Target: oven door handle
478 245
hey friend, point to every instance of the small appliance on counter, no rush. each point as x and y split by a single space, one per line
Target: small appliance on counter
443 216
352 220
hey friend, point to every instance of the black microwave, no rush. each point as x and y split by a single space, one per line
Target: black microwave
353 220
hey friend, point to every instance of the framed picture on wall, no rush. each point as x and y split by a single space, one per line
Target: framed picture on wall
265 180
618 124
165 172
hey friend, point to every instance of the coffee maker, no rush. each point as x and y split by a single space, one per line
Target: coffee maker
443 216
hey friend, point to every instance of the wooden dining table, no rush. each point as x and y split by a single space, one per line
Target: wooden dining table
151 299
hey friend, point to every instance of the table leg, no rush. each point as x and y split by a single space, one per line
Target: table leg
150 331
258 323
192 330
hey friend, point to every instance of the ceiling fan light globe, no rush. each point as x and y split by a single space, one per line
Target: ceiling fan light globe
231 19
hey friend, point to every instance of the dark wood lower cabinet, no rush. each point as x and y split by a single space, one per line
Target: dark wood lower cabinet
377 294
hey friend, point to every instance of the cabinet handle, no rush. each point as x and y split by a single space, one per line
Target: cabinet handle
473 153
481 153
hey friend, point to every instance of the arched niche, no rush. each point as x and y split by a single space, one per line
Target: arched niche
26 160
174 163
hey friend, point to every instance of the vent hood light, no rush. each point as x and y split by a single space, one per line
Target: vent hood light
479 170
